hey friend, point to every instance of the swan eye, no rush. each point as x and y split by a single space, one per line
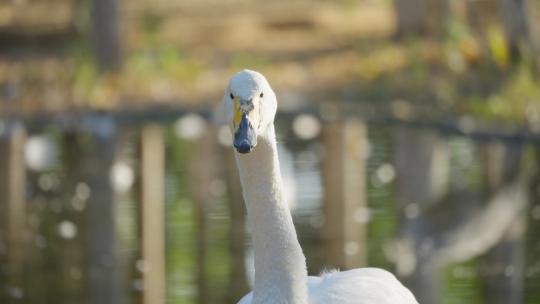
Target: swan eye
261 95
232 96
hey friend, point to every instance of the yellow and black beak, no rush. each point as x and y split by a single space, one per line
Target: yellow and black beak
245 124
245 137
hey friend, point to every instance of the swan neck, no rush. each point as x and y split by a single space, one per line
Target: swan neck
280 267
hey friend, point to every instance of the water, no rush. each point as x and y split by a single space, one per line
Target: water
207 255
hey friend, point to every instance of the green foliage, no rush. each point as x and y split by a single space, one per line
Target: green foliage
163 61
180 253
462 284
249 60
419 67
460 45
180 226
182 232
151 22
218 258
498 47
517 100
383 225
85 77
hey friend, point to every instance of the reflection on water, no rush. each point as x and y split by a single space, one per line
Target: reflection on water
208 259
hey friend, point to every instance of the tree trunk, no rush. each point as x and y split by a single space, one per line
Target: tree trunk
417 17
518 22
106 34
411 16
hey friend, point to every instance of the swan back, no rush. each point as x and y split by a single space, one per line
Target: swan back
357 286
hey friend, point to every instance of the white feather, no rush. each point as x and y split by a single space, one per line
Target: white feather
357 286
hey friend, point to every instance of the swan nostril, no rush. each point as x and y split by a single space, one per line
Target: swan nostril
243 147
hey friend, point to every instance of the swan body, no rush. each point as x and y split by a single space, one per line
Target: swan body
356 286
280 266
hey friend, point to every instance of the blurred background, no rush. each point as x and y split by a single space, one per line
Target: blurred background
408 138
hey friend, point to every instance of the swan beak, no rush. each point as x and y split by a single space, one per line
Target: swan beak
245 138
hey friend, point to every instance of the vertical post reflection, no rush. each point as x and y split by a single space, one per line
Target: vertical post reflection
201 170
345 199
503 264
152 224
421 167
238 285
104 277
12 212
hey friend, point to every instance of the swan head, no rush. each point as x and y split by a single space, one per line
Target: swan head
251 105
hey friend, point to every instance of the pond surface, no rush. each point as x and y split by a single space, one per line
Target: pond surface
207 250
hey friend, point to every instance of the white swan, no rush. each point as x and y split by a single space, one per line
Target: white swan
280 266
